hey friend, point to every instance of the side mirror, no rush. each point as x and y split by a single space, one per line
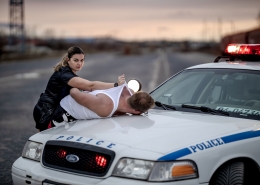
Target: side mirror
134 84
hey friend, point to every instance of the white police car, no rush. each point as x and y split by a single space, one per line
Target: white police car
204 129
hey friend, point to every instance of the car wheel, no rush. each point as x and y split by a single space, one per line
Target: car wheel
230 174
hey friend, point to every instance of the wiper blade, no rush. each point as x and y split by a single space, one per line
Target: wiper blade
164 106
205 109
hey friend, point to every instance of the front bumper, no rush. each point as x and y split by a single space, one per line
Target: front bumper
25 171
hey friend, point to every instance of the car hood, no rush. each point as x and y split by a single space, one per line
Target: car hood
160 131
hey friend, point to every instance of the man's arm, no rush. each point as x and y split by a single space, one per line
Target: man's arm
100 104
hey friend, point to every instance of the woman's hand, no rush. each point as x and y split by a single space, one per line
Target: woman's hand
121 79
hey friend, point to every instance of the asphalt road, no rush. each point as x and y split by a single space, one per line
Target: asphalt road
21 83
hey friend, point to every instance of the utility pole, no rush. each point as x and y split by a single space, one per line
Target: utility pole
205 31
258 18
16 25
220 28
232 27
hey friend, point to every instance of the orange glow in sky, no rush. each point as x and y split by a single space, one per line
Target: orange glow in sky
138 19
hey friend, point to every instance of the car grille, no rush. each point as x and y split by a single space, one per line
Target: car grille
92 160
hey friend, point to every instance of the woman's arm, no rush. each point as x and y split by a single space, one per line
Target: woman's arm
87 85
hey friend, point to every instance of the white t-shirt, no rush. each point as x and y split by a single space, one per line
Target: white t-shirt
80 112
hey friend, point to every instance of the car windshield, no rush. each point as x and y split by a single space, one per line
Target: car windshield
229 90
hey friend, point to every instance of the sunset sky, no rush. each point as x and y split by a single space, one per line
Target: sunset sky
138 19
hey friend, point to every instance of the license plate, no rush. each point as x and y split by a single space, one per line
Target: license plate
48 182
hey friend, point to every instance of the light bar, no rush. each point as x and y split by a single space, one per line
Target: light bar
243 49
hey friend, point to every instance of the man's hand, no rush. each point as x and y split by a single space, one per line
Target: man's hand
121 79
74 90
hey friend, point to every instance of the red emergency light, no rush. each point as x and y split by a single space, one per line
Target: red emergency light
101 160
241 52
243 49
61 153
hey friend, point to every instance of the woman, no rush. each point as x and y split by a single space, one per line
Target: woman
60 83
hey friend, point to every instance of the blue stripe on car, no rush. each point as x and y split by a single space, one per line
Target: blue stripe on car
241 136
226 139
176 155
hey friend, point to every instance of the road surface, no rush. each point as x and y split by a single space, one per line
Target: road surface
21 84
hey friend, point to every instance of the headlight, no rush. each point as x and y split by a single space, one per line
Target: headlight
133 168
155 171
32 150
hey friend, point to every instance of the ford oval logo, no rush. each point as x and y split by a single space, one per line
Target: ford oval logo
72 158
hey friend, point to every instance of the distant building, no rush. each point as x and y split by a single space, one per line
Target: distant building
246 37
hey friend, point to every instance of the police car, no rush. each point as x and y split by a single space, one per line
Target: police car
203 130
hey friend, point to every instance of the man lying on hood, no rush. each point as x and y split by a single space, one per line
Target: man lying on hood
101 104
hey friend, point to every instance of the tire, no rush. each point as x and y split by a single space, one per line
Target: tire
230 174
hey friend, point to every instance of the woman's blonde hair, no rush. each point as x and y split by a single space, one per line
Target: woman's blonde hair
71 51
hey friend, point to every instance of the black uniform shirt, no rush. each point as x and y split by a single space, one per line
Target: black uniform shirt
57 87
